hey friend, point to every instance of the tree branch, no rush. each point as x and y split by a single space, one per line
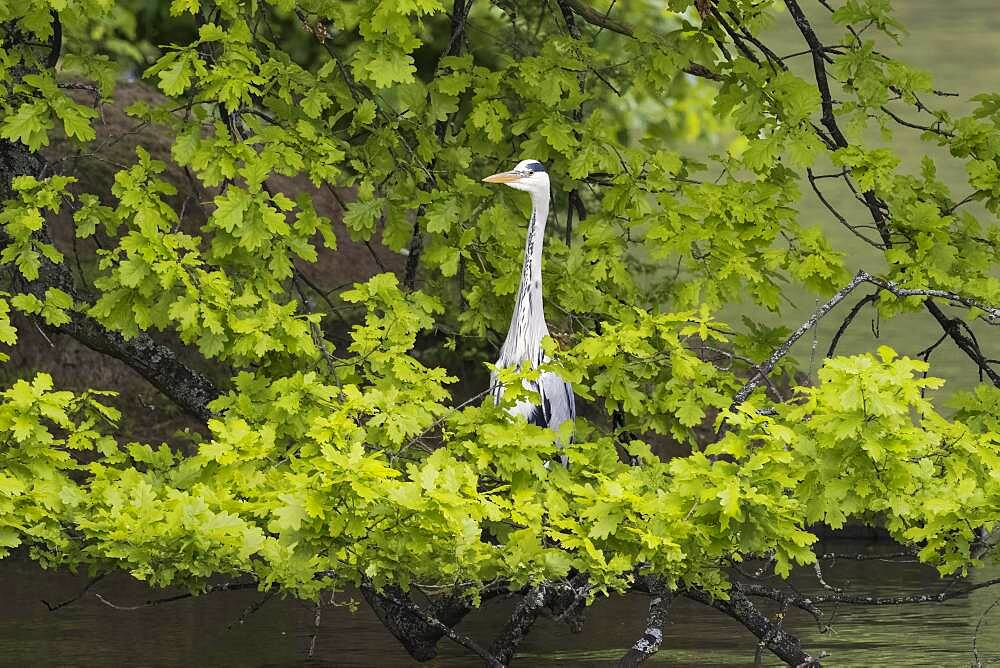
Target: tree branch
573 198
916 126
992 312
417 630
55 42
596 18
252 608
784 645
902 599
866 557
186 387
768 365
459 16
404 607
786 598
836 214
828 117
975 635
848 320
521 620
55 606
875 205
225 586
652 637
765 367
818 52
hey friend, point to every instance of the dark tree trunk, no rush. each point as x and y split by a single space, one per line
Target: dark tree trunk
417 637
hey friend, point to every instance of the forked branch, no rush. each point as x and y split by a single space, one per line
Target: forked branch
765 367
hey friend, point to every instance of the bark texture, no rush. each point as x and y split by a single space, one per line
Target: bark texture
188 388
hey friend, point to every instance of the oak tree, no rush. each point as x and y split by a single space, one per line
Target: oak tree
331 444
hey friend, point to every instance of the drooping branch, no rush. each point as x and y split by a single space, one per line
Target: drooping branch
55 606
768 365
916 126
211 589
158 364
317 619
956 329
252 608
978 663
854 229
867 299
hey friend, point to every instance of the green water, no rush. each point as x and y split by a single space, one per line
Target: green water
193 632
957 42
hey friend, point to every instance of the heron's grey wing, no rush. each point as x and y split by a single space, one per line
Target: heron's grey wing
557 402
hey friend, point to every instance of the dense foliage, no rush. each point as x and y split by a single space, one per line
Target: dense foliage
679 149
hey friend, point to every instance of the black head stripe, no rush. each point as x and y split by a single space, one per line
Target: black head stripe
535 167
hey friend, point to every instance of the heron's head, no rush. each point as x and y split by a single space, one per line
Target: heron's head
527 175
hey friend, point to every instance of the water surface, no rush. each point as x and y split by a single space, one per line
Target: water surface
200 631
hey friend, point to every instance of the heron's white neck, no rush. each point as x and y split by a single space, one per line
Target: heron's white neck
531 272
527 324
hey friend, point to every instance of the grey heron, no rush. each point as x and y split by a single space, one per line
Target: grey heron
523 344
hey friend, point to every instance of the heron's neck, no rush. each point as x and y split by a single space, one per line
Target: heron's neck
527 325
531 271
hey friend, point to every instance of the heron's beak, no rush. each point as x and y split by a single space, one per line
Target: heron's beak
503 177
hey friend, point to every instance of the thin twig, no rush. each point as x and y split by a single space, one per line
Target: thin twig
226 586
847 321
315 634
975 635
76 598
252 608
903 599
866 557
